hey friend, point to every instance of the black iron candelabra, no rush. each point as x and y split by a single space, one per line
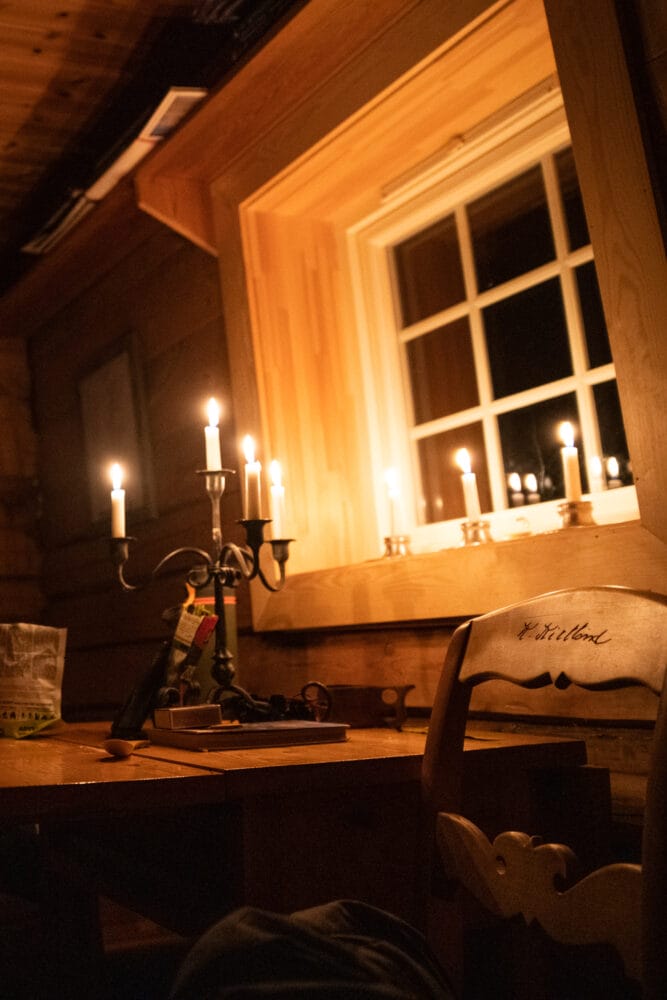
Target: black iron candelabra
225 567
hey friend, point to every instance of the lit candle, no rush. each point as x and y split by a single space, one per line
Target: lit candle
212 432
469 482
514 483
570 456
277 499
393 492
595 476
117 502
253 503
613 470
530 484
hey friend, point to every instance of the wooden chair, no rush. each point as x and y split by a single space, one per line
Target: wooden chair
596 638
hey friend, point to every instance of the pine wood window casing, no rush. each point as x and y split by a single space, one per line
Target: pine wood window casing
531 132
218 176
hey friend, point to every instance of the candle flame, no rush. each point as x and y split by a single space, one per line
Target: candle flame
566 431
514 482
276 473
391 481
249 449
612 467
116 476
530 482
213 411
462 459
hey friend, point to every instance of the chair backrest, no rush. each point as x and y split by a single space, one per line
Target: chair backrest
597 638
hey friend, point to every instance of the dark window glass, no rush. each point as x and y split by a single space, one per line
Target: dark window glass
597 341
573 206
531 443
612 432
511 230
441 477
442 372
429 272
527 340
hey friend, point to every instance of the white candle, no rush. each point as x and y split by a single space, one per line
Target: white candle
117 502
514 483
570 456
612 472
277 499
212 432
393 493
252 510
595 476
469 482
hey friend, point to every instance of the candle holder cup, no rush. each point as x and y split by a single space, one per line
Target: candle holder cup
476 532
575 513
396 545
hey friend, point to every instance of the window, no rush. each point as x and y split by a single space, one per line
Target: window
498 327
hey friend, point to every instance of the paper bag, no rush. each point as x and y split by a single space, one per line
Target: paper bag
32 659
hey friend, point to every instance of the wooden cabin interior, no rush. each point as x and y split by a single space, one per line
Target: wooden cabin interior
239 260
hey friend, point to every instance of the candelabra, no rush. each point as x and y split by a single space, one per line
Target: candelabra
226 566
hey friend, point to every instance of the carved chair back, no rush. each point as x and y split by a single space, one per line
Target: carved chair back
596 638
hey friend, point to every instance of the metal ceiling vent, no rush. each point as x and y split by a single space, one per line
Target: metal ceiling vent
172 109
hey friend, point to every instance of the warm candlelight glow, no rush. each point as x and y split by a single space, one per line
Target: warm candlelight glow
276 473
212 435
570 457
530 482
469 483
595 476
213 411
117 502
393 493
116 476
517 498
249 449
613 473
253 493
277 499
462 459
567 434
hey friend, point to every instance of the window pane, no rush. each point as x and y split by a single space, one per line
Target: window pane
612 432
597 341
573 206
527 339
429 272
442 371
531 443
510 229
442 496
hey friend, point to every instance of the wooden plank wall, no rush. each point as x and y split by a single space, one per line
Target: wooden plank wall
20 566
130 278
123 274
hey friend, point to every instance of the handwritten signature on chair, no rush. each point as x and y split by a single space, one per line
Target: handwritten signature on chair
541 631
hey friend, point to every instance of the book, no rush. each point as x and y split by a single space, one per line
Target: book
234 736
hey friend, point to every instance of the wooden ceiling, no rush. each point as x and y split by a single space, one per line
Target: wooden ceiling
79 77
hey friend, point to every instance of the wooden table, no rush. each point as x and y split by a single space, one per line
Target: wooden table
183 836
279 827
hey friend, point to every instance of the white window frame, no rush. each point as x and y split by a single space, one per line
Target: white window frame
497 150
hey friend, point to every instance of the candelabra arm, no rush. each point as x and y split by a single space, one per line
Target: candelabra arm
280 554
120 555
